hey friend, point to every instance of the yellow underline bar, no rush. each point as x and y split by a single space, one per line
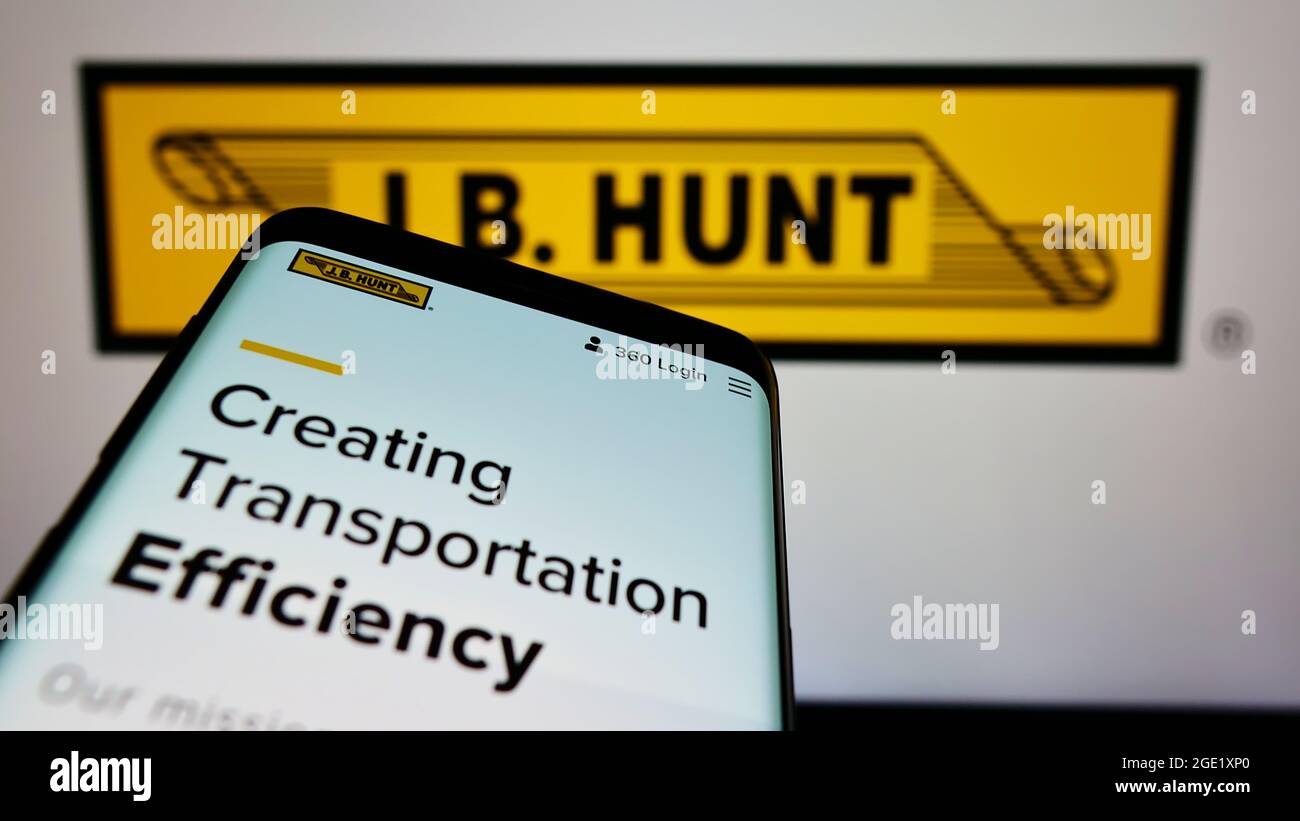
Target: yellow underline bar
289 356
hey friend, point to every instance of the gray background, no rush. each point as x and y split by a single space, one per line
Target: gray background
971 487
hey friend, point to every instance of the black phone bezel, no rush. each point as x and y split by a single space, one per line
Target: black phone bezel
474 271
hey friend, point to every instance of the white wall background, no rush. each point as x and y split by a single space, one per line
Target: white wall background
972 487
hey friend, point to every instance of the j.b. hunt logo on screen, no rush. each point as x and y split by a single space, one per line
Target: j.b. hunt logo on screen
359 278
854 211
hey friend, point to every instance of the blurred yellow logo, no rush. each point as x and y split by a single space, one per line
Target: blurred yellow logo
856 212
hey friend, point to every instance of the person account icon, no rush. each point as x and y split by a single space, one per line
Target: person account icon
594 346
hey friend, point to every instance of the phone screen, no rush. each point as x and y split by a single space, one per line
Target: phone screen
368 498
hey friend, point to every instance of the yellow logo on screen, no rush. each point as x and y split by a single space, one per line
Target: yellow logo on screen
1018 213
361 279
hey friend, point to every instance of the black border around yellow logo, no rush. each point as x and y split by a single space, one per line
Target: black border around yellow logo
1181 80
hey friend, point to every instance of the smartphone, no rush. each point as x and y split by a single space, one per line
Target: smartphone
384 482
